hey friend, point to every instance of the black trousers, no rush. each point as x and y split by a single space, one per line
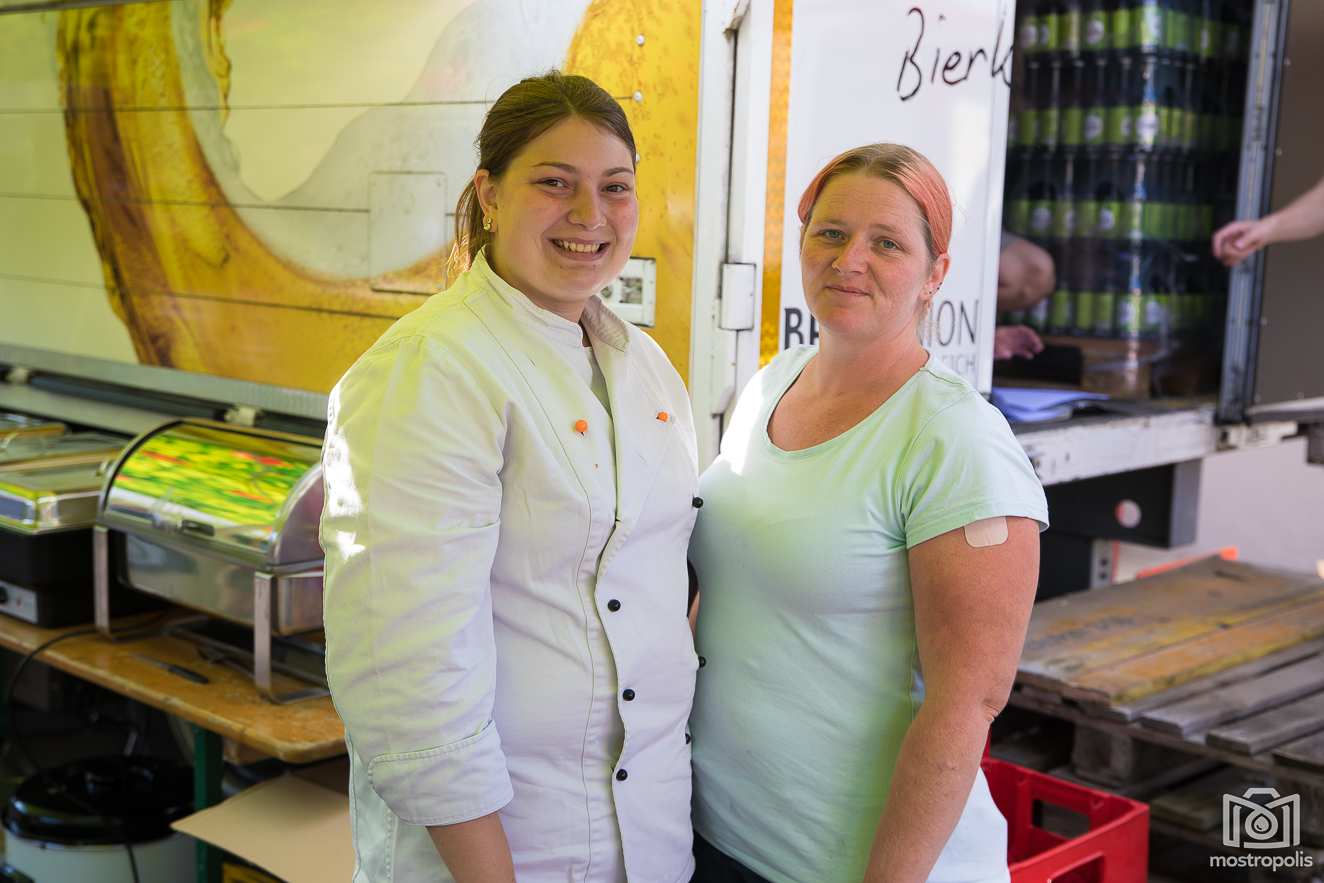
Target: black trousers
711 865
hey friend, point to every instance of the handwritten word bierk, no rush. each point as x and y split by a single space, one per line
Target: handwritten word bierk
911 77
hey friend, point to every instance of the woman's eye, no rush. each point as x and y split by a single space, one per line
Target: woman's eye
888 244
552 182
617 188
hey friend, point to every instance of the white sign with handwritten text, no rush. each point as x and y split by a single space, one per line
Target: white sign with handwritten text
932 75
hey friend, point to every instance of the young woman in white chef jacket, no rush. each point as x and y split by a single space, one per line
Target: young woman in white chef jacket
510 475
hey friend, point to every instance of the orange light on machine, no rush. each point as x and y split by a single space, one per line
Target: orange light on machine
581 426
663 416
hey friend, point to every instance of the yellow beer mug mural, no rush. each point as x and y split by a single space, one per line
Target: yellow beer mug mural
208 276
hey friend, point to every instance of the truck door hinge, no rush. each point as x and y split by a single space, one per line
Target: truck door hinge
737 297
1238 436
734 313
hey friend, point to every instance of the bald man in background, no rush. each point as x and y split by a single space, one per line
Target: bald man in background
1025 277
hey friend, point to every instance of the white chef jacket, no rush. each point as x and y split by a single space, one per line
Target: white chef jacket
502 632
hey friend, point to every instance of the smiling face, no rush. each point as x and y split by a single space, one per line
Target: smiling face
564 215
864 260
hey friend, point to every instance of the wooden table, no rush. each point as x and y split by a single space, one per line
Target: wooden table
229 707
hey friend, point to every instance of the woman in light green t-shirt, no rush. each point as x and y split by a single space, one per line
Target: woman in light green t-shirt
867 557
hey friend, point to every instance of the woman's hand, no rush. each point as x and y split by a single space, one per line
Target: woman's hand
1235 242
972 597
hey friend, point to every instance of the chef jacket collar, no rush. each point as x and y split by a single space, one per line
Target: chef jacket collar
598 319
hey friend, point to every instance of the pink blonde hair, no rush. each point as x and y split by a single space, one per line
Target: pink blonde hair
908 169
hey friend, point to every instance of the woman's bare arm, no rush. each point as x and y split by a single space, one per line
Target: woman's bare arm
972 607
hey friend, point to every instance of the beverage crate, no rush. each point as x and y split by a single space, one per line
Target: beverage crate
1114 848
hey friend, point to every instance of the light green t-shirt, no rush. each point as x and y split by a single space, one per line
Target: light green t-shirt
806 622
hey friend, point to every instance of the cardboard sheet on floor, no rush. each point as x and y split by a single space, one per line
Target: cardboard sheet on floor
295 827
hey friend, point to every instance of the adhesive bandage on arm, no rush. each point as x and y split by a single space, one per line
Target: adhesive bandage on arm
986 532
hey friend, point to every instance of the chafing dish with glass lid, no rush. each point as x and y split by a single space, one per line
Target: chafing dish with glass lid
49 486
221 519
24 452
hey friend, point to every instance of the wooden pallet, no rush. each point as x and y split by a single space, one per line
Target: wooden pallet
1304 753
1198 805
1137 708
1237 699
1120 644
1224 658
1271 728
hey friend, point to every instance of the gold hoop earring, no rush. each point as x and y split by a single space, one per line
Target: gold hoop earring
487 224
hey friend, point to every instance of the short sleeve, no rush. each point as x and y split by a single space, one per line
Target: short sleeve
964 465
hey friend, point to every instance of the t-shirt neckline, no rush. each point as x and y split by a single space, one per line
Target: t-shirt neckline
871 417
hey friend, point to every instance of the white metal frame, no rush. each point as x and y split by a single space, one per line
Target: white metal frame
1087 448
735 78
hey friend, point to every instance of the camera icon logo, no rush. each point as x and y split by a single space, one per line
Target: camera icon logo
1261 819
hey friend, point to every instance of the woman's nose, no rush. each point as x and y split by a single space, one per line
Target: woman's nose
852 256
585 211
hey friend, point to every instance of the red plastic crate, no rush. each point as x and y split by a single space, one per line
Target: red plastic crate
1114 849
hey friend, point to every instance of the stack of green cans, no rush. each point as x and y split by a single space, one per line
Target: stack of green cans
1125 129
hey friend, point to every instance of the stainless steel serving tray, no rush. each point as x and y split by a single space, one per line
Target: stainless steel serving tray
248 496
222 519
28 451
47 497
290 601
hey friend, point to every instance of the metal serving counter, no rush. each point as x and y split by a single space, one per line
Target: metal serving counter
49 485
221 519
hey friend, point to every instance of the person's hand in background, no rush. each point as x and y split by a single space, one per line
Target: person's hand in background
1303 218
1235 242
1016 341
